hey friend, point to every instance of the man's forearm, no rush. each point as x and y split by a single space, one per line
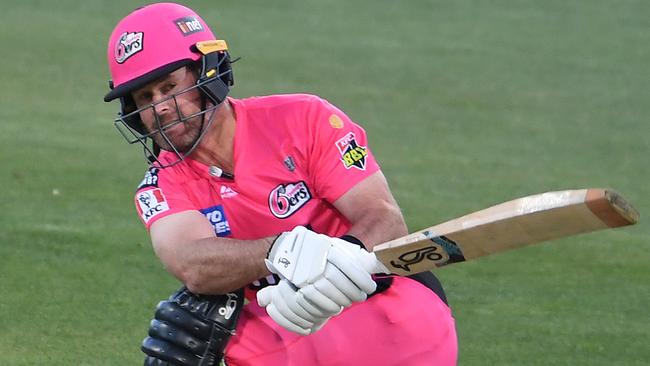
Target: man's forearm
218 265
379 225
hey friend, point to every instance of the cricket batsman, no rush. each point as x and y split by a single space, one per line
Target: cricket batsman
265 208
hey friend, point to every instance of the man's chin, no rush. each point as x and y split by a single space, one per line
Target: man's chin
181 149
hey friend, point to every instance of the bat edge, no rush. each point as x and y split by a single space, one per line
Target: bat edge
611 208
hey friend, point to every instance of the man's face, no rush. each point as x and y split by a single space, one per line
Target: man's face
166 111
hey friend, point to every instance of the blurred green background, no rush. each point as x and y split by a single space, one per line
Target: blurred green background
466 103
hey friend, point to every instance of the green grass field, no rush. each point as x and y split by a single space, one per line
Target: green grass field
466 104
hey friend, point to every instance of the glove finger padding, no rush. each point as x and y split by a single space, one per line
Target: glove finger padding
311 297
192 330
281 304
339 288
286 323
177 336
172 312
367 260
287 297
152 361
157 349
352 271
288 307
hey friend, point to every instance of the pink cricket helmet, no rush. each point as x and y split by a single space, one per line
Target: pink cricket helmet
150 42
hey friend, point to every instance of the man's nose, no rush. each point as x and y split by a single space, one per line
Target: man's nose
162 104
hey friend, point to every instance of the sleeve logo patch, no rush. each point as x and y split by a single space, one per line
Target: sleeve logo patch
352 155
217 217
286 199
151 203
150 179
128 45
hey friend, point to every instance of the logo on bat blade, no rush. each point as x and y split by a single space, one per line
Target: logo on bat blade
442 251
431 253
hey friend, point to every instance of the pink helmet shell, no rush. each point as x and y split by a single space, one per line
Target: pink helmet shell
150 42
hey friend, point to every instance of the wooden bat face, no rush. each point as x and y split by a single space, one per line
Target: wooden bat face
507 226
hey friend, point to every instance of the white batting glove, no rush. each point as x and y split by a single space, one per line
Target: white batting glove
368 260
305 258
332 289
287 307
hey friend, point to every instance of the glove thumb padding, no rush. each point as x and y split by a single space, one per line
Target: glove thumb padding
347 262
264 296
367 259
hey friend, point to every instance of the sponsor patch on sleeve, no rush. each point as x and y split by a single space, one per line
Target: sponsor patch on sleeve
151 203
150 179
217 217
352 154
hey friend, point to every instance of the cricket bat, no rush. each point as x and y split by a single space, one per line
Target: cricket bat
509 225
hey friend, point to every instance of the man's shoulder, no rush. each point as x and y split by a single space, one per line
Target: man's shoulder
279 101
150 179
153 176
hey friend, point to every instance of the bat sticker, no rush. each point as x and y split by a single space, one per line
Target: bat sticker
432 253
441 251
449 246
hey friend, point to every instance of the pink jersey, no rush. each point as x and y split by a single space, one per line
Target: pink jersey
407 325
294 155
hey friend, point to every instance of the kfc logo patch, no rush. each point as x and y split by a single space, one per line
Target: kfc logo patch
286 199
352 155
217 217
188 25
128 45
151 203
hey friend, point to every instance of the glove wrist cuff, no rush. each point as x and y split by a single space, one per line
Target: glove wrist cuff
354 240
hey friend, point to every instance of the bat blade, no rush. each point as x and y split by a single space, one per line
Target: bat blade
507 226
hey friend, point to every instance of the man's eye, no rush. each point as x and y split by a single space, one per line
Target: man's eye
143 98
169 87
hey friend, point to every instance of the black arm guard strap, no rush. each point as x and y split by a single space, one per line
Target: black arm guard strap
192 330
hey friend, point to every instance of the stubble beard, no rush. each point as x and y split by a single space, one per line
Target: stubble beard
183 141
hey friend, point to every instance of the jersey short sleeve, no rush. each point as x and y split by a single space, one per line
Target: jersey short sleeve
158 196
340 157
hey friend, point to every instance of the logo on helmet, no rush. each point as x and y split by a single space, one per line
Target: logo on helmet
128 45
188 25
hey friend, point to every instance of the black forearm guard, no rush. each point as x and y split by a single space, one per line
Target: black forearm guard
192 330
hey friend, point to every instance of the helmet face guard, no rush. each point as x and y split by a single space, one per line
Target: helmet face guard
148 44
214 79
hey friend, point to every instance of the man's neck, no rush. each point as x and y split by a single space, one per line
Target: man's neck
216 148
